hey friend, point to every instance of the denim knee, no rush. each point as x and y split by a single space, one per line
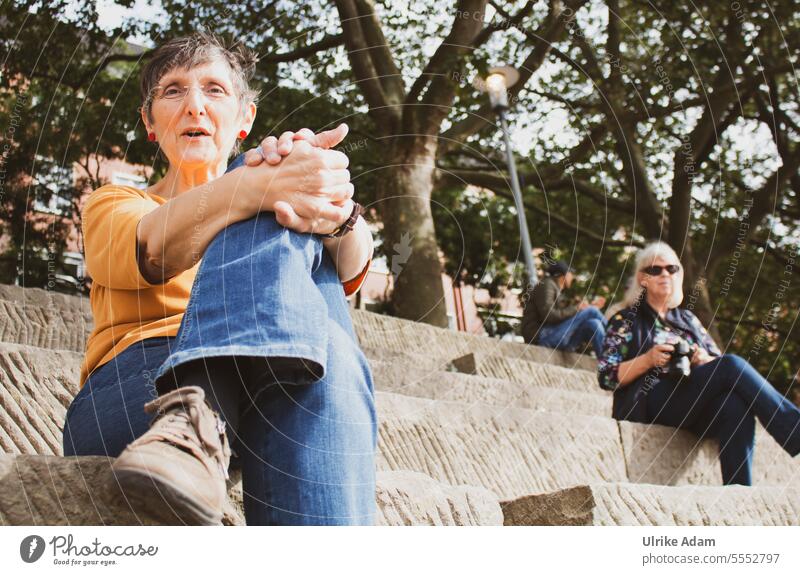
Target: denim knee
596 326
591 312
733 365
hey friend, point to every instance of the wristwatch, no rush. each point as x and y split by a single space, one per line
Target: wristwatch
358 209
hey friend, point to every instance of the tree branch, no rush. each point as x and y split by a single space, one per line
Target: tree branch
509 22
612 44
358 52
501 186
763 203
550 31
380 53
304 51
498 181
445 70
464 31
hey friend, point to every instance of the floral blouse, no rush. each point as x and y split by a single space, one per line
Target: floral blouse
619 336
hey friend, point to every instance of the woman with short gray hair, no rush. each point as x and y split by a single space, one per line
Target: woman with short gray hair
219 305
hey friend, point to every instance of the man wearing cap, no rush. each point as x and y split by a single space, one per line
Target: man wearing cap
548 322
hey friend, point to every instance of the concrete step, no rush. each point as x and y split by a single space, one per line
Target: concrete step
382 331
46 490
545 393
635 504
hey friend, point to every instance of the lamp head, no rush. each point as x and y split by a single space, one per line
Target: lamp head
498 91
497 83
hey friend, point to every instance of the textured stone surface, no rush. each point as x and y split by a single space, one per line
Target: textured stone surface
37 490
36 387
381 331
399 357
632 504
510 451
530 373
412 379
46 490
669 456
410 498
42 318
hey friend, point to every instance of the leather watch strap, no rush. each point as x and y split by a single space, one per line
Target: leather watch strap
348 225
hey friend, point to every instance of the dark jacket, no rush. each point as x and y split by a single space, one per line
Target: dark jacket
544 307
630 334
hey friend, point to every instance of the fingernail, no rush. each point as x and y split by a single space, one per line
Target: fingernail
274 157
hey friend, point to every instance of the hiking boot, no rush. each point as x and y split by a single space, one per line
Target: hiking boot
182 460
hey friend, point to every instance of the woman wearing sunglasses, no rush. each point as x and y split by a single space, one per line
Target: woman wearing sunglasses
722 395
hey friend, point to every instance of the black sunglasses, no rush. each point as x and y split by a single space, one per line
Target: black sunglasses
656 270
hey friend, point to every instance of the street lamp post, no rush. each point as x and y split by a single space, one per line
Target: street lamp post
497 84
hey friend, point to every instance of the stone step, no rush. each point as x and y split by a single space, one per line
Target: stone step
36 387
42 318
544 393
402 358
668 456
516 451
511 451
636 504
382 331
411 498
82 491
526 372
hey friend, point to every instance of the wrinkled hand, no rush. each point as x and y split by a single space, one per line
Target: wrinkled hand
274 149
294 213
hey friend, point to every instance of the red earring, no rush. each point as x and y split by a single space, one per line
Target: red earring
151 136
242 134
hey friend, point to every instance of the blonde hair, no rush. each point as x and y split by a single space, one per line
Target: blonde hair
644 258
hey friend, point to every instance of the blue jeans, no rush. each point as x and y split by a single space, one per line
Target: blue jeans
722 399
586 326
306 446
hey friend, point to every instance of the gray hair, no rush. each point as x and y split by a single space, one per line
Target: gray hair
644 257
199 48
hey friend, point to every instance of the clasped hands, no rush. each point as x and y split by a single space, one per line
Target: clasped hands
313 192
660 354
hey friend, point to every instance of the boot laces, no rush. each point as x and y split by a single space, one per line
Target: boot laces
184 425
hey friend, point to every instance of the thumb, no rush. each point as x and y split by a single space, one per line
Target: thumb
285 214
252 157
331 138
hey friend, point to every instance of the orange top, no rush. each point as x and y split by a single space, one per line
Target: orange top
126 307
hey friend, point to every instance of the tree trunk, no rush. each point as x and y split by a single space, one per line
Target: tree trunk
696 296
408 232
